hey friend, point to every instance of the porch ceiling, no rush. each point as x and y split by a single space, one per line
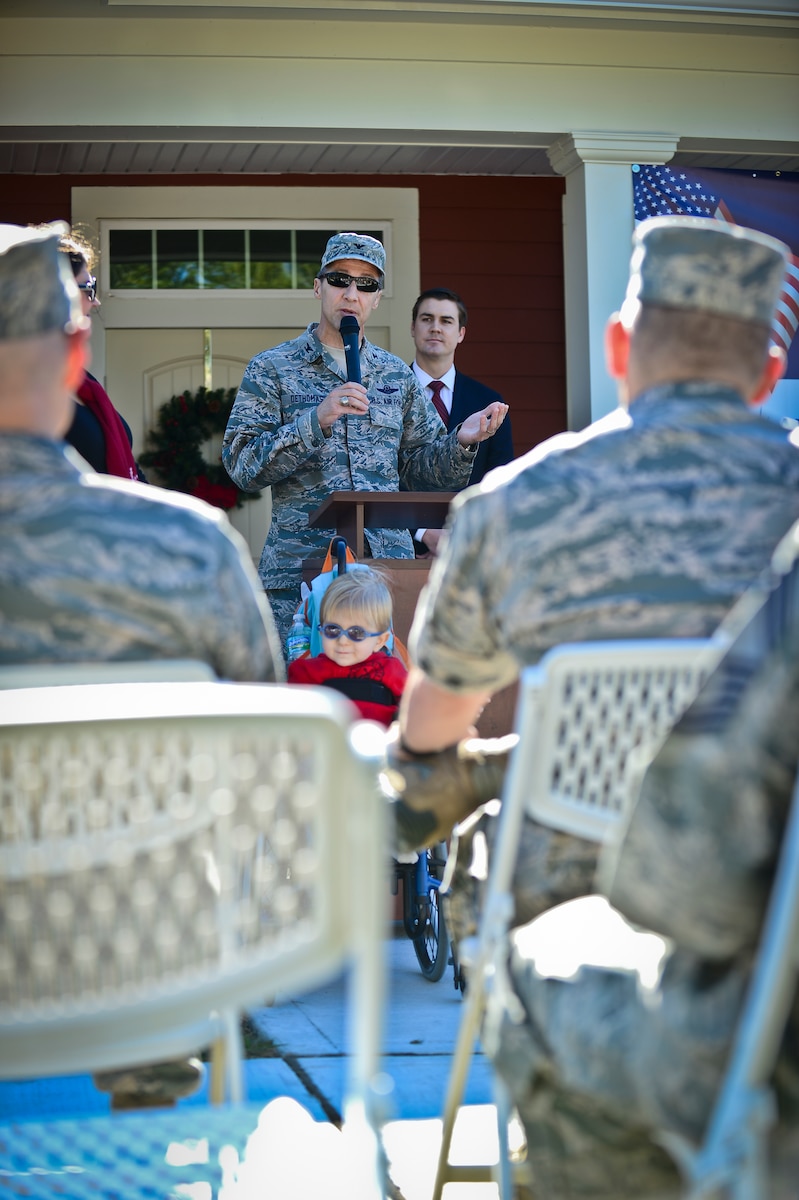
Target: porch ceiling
685 13
162 151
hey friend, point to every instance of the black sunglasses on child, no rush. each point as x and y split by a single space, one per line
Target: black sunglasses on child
364 283
354 633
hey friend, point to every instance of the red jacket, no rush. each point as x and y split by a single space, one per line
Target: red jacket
118 453
374 686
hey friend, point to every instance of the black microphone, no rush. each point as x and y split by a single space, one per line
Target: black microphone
351 336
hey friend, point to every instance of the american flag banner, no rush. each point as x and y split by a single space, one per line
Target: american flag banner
765 201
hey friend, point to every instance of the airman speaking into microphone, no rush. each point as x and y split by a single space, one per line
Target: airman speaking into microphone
302 427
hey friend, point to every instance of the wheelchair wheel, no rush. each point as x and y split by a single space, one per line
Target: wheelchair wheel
432 944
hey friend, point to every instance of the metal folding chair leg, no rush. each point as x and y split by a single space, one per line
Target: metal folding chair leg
216 1086
504 1166
464 1049
482 972
503 1172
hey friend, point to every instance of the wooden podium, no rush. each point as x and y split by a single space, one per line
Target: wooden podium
350 513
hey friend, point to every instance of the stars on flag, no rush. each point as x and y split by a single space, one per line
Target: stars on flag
660 192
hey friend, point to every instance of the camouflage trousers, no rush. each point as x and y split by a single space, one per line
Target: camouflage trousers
577 1151
588 1147
573 1063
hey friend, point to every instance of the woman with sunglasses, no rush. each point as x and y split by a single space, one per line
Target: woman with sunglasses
98 432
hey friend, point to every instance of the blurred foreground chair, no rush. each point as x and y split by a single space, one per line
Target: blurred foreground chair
53 675
171 853
166 670
590 716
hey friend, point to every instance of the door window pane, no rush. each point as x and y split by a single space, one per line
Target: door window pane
131 256
178 263
310 248
270 258
224 258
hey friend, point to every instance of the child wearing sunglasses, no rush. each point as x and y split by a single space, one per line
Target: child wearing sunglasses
355 624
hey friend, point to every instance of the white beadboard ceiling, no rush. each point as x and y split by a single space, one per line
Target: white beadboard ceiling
227 150
26 151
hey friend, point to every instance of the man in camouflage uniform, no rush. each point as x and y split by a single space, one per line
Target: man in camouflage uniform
99 568
628 1012
651 522
299 427
92 567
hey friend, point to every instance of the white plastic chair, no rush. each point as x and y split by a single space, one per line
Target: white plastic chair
26 675
590 715
171 853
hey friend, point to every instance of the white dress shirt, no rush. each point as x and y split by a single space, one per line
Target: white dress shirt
448 380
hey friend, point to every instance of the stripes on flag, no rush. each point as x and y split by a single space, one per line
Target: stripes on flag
674 191
787 317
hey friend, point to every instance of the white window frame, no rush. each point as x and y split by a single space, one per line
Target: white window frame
395 210
382 231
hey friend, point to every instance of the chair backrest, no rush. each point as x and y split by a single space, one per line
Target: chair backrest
589 712
588 715
27 675
172 851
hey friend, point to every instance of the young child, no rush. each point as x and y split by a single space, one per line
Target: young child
355 623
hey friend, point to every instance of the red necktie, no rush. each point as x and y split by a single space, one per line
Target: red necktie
436 387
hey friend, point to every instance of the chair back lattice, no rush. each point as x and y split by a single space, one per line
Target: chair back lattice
597 709
589 717
166 852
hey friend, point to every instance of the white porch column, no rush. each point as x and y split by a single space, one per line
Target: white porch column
598 224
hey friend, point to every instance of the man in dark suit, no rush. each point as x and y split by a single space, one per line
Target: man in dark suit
438 326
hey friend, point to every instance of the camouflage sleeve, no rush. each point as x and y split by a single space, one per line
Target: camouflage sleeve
259 448
455 637
241 638
430 459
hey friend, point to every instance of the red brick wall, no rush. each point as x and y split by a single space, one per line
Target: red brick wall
496 240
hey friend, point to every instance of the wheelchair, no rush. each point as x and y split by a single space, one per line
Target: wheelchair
422 917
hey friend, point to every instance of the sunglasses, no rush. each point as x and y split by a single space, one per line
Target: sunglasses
89 288
354 633
364 283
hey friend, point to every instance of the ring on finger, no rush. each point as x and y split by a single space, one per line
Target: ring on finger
345 401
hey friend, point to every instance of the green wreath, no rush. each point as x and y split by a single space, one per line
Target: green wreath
173 448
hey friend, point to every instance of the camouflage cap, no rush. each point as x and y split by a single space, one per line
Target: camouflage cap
707 265
38 293
355 245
